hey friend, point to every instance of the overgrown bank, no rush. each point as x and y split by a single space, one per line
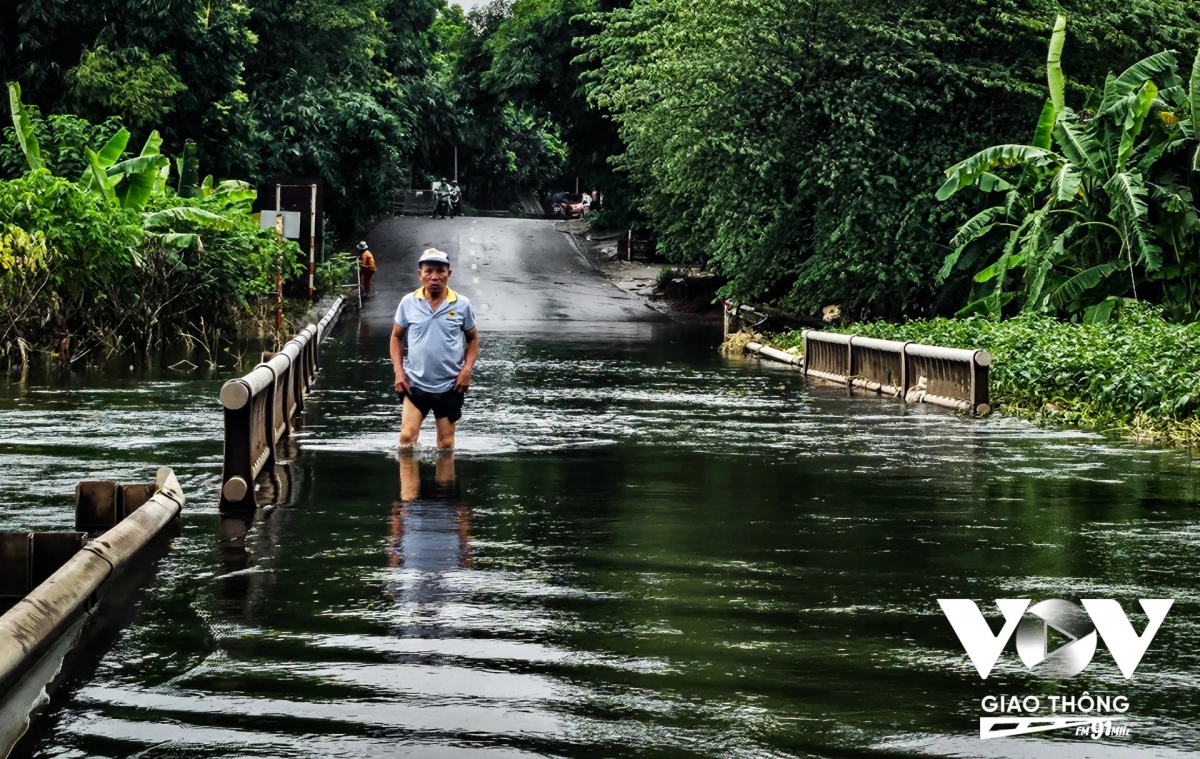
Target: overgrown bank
1137 375
134 253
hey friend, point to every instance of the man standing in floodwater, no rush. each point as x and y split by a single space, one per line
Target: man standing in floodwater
443 345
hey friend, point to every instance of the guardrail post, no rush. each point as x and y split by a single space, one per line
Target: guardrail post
50 551
259 408
299 386
272 414
237 488
96 505
15 550
980 400
314 337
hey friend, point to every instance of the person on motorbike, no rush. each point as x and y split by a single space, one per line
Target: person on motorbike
441 193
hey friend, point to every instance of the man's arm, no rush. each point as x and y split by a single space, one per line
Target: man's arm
397 349
464 377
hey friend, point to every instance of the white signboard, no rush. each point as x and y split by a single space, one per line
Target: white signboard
291 222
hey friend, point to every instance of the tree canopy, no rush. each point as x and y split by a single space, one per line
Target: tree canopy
797 148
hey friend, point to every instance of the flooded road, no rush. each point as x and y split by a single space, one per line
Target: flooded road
641 548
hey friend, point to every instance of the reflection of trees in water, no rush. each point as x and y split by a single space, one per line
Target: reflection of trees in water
430 539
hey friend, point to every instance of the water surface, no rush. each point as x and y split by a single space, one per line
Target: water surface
640 548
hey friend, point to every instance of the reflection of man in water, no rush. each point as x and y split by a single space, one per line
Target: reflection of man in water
430 539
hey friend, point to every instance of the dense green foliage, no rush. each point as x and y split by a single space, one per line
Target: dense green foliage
1138 374
118 257
324 88
1100 201
368 95
797 147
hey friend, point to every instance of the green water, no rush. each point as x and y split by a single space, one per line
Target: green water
640 548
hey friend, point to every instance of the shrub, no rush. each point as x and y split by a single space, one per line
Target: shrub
1138 375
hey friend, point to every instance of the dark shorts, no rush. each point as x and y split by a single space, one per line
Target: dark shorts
447 405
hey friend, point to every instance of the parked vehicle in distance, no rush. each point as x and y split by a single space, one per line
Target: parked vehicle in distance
567 205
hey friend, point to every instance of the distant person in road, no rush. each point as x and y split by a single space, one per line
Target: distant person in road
366 268
440 190
443 345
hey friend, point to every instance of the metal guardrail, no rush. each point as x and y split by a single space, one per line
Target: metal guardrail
51 583
951 377
260 406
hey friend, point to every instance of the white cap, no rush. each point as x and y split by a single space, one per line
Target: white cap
433 256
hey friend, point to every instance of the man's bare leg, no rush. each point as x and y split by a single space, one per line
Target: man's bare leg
410 476
410 425
444 474
445 433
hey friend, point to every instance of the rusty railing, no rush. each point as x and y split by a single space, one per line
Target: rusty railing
951 377
260 406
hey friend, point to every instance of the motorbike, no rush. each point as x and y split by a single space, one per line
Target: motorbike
442 206
455 204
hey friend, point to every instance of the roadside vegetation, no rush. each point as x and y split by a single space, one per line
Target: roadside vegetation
1137 375
799 149
1078 265
130 254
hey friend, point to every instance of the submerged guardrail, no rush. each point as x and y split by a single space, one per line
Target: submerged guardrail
50 583
260 406
951 377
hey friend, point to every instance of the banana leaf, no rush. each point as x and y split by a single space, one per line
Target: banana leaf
1075 287
1043 135
1066 183
1145 70
1054 71
23 124
168 217
153 143
188 166
108 155
1080 147
101 182
137 178
965 174
1194 96
1099 313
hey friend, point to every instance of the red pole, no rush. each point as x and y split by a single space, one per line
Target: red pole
279 273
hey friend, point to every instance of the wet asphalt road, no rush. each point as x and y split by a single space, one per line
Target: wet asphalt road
520 274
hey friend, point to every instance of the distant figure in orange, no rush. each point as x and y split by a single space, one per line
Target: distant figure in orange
366 268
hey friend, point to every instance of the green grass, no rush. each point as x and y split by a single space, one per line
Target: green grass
1138 376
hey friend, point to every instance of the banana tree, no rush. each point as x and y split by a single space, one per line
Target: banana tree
1088 207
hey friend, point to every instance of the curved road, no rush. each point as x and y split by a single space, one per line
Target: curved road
521 274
